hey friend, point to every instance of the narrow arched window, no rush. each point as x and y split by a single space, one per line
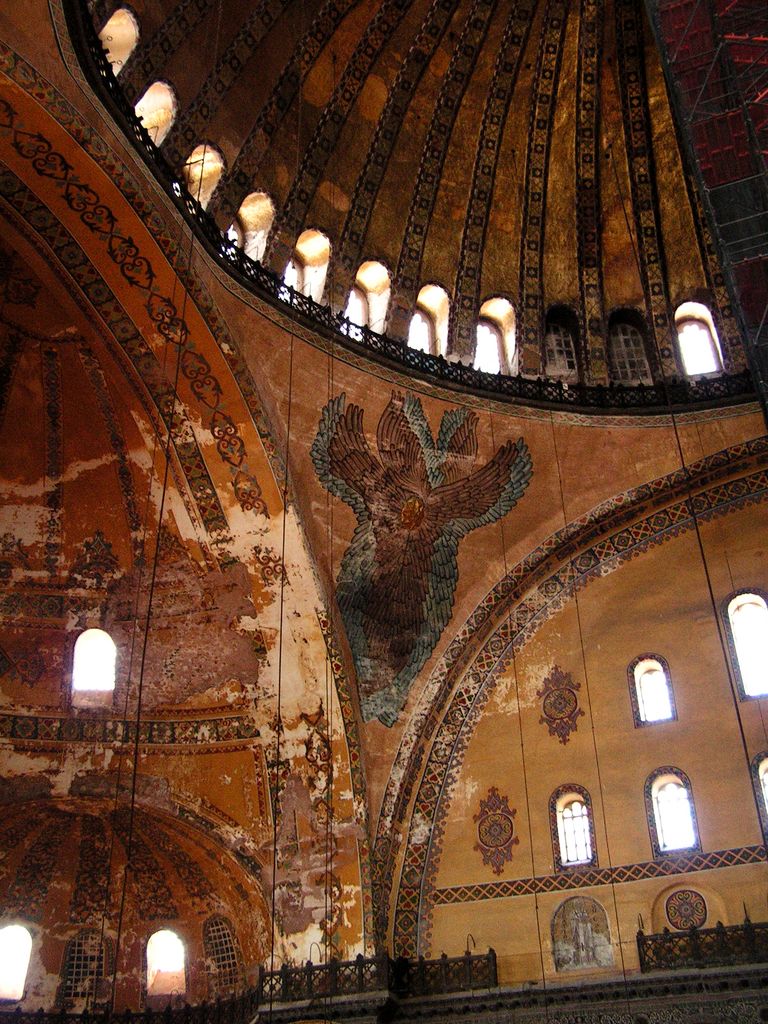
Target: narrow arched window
650 688
15 951
697 340
119 38
434 306
166 974
372 280
312 255
488 348
560 334
222 954
254 221
760 780
627 353
421 332
672 817
157 110
202 170
498 315
84 965
356 310
747 628
573 837
94 661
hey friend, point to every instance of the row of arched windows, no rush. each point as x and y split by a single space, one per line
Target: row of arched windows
88 959
367 305
746 620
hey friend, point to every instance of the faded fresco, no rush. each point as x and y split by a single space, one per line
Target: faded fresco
413 503
580 935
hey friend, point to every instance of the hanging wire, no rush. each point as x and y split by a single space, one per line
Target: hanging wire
518 708
169 440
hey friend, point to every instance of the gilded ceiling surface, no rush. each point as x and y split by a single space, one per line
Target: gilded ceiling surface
515 149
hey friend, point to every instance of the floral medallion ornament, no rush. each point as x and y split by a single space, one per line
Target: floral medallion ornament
560 704
686 909
495 830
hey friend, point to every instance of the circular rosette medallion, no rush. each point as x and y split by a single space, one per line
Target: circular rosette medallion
686 908
559 704
495 830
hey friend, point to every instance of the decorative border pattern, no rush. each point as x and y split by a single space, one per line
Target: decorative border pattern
642 172
165 732
386 133
451 736
506 69
192 124
544 94
54 456
650 812
661 868
571 789
227 197
292 217
588 211
455 81
640 723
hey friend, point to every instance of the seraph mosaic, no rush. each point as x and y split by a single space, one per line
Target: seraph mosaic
413 502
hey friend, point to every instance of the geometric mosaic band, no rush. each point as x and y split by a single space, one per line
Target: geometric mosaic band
163 732
679 865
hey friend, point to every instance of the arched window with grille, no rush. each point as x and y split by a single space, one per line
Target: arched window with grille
222 954
670 811
87 962
573 831
157 110
15 951
119 38
560 338
746 626
627 353
203 169
166 970
650 689
697 340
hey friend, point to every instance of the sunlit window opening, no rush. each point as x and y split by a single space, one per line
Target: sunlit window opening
157 110
356 312
673 813
15 951
629 362
433 303
202 171
119 38
498 315
560 353
762 774
312 254
373 281
165 964
748 616
487 348
653 692
420 332
254 219
573 831
93 665
698 341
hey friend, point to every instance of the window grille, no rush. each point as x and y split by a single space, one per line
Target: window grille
560 353
629 362
83 966
222 953
575 841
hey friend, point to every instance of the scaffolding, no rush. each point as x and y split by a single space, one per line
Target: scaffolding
715 56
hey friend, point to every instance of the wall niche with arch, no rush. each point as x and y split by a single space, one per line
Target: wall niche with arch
581 938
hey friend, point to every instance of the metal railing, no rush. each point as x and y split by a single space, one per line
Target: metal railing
362 340
704 947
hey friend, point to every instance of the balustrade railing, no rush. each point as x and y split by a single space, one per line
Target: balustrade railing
704 947
266 284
